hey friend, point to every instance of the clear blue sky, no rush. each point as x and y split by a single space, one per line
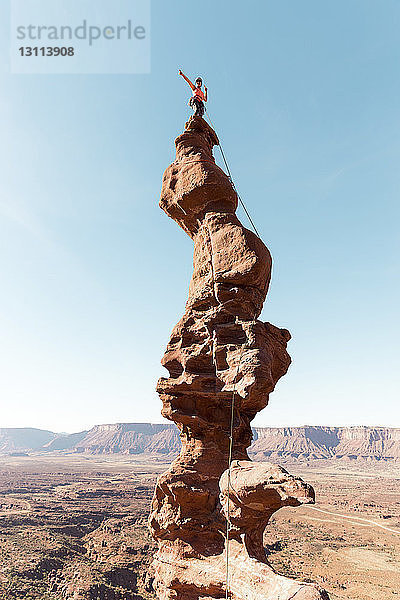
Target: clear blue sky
305 98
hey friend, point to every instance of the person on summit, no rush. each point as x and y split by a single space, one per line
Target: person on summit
198 98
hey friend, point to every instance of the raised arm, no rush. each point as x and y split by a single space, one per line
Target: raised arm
187 80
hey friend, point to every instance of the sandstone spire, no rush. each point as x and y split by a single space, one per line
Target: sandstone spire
219 352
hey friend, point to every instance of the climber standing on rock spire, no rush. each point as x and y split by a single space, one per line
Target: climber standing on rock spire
198 98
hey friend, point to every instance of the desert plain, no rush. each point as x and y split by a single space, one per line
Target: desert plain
74 526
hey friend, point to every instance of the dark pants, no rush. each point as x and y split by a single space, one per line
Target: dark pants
198 107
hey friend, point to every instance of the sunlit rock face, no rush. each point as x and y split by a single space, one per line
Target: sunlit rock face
219 349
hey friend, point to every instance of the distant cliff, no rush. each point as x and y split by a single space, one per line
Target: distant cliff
17 439
130 438
270 443
312 442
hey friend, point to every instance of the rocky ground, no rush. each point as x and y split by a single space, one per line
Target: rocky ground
74 527
350 540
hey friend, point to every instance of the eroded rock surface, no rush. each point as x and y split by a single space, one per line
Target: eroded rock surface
254 492
217 351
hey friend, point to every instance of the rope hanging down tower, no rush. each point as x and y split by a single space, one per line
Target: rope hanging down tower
232 414
197 103
231 180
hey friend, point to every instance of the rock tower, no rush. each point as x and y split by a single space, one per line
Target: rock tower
219 352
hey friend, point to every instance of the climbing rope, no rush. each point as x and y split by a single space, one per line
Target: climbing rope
228 514
231 180
232 414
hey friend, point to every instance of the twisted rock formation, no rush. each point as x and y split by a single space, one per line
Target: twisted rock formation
219 350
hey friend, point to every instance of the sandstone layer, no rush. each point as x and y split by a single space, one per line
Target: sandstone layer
219 352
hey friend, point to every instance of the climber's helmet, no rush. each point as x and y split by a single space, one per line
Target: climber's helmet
199 82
